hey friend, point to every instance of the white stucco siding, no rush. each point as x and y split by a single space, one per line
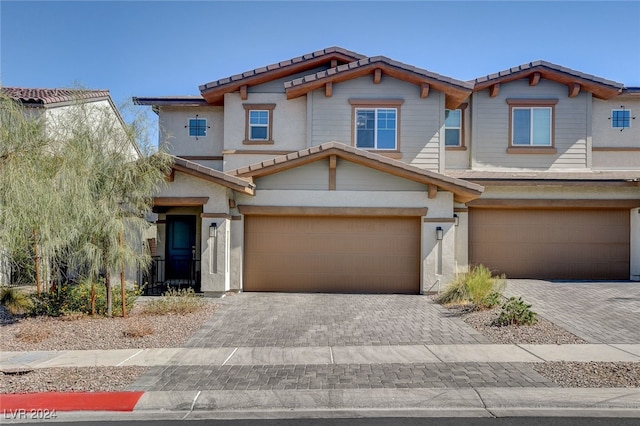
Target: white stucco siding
289 122
420 119
313 176
349 177
184 185
354 177
612 148
491 132
551 191
173 133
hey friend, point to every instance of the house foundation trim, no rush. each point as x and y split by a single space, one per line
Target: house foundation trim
554 204
331 211
180 201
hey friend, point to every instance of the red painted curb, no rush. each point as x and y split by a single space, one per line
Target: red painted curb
71 401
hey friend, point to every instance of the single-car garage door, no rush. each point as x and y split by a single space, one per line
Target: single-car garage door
332 254
551 244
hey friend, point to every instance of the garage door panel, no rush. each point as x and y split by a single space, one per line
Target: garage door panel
551 244
332 254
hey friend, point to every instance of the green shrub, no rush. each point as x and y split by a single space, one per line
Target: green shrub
76 298
477 287
183 301
516 311
14 300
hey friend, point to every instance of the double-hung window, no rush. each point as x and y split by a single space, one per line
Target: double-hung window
376 125
531 123
453 128
258 123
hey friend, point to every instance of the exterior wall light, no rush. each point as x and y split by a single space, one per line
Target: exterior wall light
456 220
439 233
213 230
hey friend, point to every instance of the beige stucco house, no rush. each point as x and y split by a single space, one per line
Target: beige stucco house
339 172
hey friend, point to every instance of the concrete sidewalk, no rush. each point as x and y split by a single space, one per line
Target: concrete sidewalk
403 354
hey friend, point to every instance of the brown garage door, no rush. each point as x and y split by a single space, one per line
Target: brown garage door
551 244
332 254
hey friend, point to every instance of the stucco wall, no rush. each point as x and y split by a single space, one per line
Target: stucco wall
615 149
173 133
635 244
551 191
289 122
490 121
421 120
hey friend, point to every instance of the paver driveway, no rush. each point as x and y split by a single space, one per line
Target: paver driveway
282 319
598 312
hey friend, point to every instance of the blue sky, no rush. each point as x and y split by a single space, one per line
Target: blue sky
157 48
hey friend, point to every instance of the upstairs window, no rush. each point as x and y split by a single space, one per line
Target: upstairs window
620 118
258 123
197 127
376 124
453 128
531 122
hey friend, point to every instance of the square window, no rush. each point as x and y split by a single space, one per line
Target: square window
197 127
621 118
376 128
531 126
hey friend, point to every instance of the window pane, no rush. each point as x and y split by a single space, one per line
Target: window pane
258 117
452 137
542 126
521 126
452 118
386 139
197 127
364 138
259 133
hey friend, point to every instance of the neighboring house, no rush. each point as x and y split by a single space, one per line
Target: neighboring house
54 107
339 172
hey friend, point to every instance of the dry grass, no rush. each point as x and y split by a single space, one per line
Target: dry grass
179 302
33 333
72 316
138 327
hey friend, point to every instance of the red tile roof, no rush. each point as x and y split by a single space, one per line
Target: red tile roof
52 96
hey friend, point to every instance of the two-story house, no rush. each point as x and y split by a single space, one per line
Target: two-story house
339 172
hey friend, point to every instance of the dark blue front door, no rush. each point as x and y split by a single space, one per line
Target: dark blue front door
181 242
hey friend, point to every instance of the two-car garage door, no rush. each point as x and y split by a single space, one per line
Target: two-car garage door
551 244
332 254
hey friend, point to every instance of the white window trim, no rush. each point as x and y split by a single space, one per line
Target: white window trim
459 128
266 125
375 128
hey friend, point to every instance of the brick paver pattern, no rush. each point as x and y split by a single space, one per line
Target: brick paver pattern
286 320
340 376
598 312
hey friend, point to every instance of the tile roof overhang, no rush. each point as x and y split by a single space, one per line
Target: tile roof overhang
52 97
227 180
170 100
599 87
214 91
595 178
463 191
456 91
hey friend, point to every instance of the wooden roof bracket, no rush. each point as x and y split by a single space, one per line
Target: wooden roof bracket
377 76
328 89
534 79
574 89
424 90
243 92
494 90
